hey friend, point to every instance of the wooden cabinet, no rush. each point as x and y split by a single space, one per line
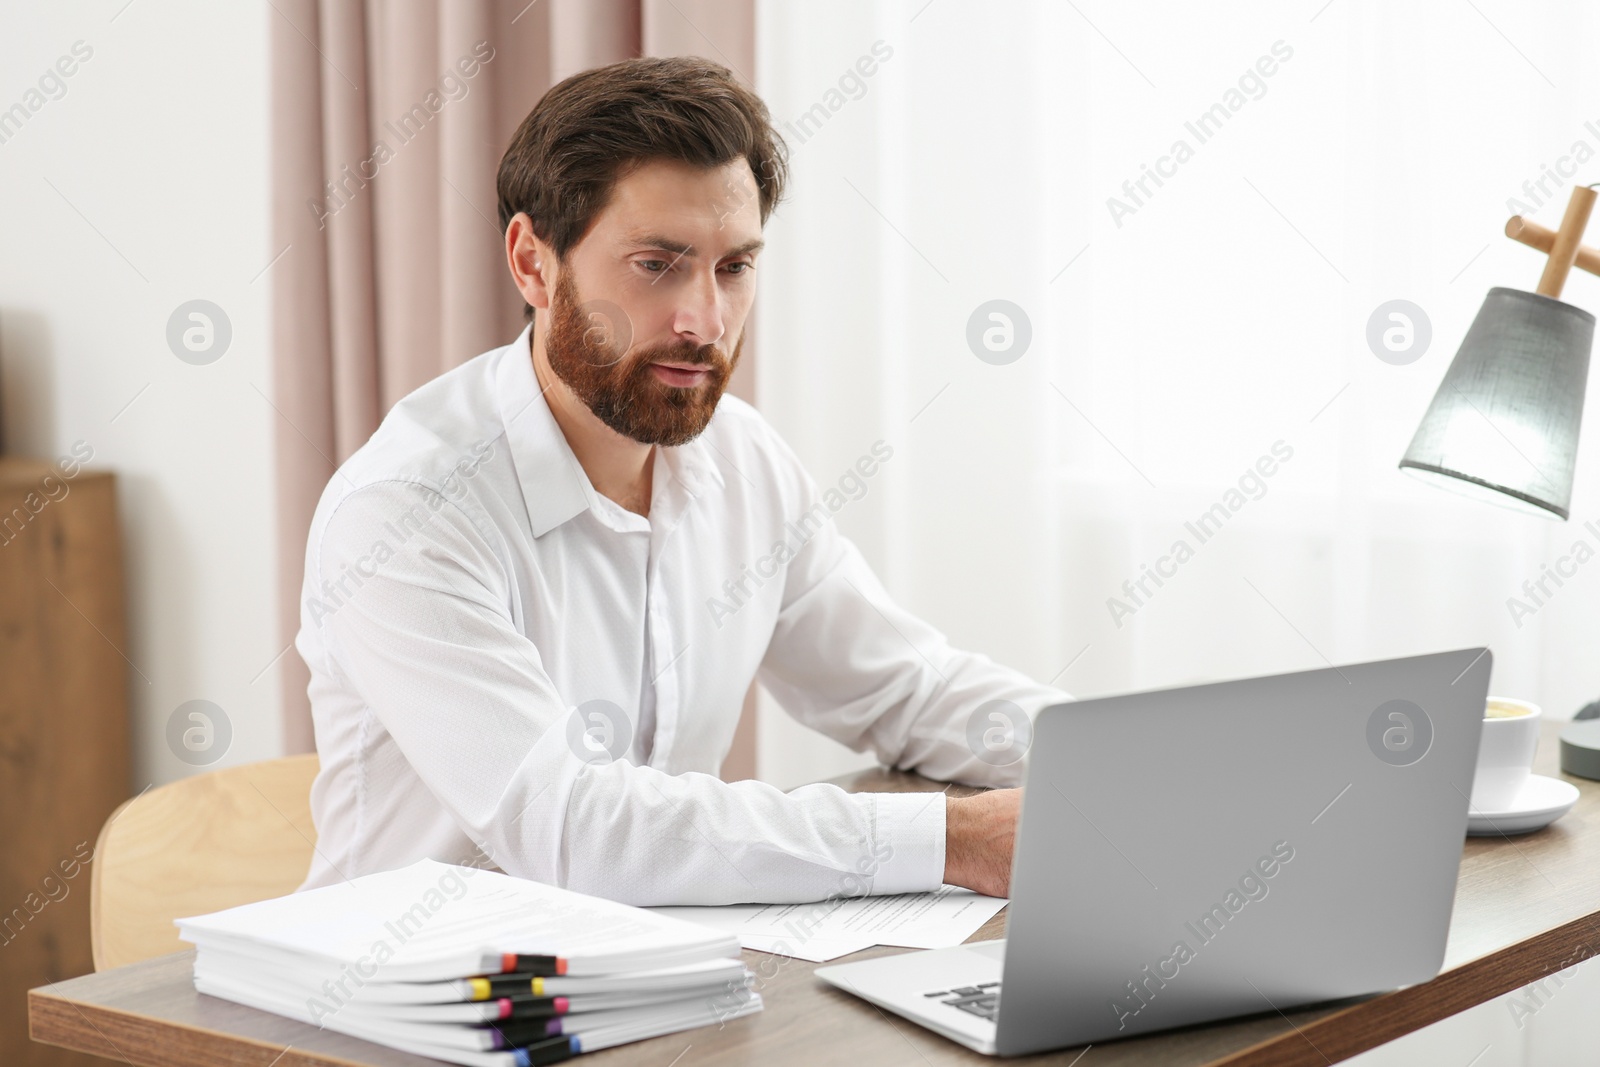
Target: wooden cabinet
63 726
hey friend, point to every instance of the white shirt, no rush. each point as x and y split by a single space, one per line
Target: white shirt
469 596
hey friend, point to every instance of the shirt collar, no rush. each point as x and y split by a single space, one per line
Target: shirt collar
555 487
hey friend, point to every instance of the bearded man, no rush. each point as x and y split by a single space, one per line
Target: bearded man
535 599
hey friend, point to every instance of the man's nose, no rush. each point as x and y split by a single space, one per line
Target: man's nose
700 312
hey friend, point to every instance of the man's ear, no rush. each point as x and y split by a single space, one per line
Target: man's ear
530 261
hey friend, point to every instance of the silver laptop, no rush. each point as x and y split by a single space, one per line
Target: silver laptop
1191 854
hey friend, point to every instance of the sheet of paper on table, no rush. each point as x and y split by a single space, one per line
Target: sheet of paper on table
828 929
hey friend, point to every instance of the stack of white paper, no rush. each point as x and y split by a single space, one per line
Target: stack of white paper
469 966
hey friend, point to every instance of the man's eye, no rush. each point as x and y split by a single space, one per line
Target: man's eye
654 266
742 267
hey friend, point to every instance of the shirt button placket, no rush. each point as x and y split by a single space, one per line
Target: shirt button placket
663 648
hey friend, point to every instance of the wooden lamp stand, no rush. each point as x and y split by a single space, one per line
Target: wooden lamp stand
1563 246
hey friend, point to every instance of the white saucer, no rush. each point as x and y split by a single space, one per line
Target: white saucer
1540 802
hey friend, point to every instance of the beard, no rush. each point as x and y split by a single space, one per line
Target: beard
589 347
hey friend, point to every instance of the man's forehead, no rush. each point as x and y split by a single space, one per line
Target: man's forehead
713 209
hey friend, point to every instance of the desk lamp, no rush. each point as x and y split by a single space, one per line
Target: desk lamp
1504 423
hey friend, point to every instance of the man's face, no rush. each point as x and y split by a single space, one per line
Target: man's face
647 314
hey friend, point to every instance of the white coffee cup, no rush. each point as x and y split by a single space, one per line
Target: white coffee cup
1505 753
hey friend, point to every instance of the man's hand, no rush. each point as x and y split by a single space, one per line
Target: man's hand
980 832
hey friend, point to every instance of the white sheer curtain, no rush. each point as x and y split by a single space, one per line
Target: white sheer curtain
1364 152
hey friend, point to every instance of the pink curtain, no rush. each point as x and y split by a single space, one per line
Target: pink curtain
388 121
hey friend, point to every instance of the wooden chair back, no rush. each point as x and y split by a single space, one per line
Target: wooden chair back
198 845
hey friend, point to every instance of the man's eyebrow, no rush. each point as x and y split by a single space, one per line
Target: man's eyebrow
755 244
679 248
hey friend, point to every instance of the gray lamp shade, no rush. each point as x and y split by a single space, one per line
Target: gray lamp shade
1504 423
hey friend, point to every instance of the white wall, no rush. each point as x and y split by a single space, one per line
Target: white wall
145 185
1171 351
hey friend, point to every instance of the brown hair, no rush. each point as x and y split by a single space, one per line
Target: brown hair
591 129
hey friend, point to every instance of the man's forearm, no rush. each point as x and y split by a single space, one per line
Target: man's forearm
645 837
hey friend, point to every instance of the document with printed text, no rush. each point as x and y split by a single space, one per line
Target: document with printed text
828 929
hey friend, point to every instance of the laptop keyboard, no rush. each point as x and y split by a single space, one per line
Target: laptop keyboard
980 1000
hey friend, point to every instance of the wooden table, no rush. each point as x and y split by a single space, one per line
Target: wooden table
1525 907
